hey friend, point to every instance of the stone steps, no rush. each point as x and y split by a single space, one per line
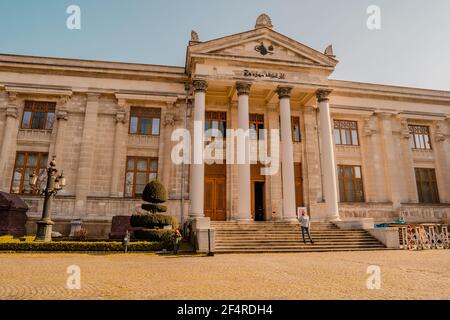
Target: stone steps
258 237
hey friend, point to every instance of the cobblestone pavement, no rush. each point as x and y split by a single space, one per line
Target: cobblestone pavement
343 275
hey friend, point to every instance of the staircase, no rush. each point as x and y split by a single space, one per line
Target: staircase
258 237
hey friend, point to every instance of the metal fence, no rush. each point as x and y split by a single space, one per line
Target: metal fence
424 237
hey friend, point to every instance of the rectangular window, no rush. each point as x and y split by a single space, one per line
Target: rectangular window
346 132
140 171
419 137
26 164
350 184
216 120
296 133
427 185
38 115
145 121
256 126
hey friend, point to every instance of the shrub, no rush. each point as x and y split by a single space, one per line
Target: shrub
81 235
154 235
71 246
152 221
155 194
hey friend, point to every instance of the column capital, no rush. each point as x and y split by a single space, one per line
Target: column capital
121 116
243 88
12 111
200 85
12 99
323 95
284 92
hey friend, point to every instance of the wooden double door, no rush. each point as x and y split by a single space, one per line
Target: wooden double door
215 203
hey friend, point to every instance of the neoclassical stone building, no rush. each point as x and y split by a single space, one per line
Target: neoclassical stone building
348 149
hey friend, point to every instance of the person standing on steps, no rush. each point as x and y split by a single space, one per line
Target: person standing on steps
306 226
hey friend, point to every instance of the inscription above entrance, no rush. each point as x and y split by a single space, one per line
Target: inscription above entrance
264 74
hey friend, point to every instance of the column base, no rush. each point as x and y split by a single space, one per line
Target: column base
44 230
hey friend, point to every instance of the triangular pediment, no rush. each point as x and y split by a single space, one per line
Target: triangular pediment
262 45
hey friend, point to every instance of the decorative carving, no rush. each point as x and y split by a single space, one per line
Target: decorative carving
404 131
12 111
243 88
12 99
329 51
264 50
169 119
194 36
200 85
61 114
263 21
323 95
63 100
369 126
439 135
284 92
121 116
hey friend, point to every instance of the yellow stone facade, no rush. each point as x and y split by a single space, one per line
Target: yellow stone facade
90 136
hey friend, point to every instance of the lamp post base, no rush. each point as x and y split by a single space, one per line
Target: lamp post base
44 230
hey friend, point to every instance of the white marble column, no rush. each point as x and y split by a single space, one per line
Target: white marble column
8 146
197 187
328 159
287 154
120 151
244 179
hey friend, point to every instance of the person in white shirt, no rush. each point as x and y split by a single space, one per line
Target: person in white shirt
306 226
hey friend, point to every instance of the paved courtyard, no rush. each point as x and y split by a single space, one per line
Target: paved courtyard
343 275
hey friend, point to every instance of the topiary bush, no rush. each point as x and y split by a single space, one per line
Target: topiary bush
152 221
155 194
166 237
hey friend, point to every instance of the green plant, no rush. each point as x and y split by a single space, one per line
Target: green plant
152 221
165 236
155 194
71 246
81 235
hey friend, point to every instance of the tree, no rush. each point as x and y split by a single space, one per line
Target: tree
155 194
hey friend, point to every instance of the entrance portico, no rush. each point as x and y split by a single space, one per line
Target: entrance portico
264 75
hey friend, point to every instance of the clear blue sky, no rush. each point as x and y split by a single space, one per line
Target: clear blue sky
411 49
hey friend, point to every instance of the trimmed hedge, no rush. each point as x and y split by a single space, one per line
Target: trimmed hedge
152 221
166 236
64 246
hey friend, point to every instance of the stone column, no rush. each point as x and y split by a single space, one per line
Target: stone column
287 154
8 147
244 179
392 163
442 158
86 159
328 159
198 166
409 175
275 190
120 151
61 123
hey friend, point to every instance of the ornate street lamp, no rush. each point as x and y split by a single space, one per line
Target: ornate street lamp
54 184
